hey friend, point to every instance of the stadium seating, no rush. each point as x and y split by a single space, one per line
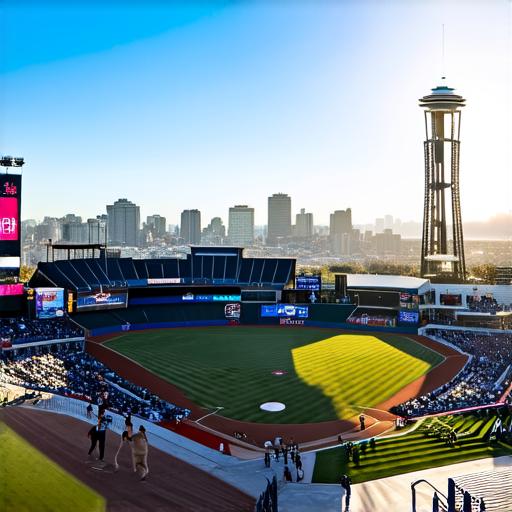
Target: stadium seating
90 274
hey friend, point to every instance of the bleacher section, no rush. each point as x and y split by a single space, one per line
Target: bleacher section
204 266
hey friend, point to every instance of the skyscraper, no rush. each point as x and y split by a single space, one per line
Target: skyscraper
214 233
157 225
190 227
340 231
440 259
72 229
123 223
304 224
96 229
279 218
241 225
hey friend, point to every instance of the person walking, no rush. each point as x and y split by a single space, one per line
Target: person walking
276 453
346 485
89 410
298 461
361 421
287 474
285 454
101 431
267 458
140 453
126 437
93 436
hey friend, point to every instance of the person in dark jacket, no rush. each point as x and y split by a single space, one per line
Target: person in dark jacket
101 432
93 436
346 483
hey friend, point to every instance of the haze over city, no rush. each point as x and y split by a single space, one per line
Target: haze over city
215 104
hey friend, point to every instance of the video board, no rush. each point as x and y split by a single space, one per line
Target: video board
408 317
409 301
101 300
10 207
232 310
284 311
49 302
450 299
313 283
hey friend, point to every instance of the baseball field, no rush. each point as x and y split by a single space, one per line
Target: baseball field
318 374
30 481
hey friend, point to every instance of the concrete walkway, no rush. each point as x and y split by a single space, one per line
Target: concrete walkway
391 494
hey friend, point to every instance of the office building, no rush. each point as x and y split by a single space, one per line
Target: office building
340 232
190 227
97 229
304 224
241 226
279 218
157 225
123 223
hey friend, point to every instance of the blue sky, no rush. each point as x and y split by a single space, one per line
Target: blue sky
206 105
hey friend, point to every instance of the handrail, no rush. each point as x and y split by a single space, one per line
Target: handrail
413 490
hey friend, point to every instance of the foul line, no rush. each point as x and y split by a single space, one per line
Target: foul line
217 409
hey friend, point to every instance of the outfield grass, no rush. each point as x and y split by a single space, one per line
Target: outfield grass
330 374
413 452
31 482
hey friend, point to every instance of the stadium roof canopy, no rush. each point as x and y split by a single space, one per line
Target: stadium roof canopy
387 282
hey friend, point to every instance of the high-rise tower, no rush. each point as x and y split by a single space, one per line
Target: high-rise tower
442 259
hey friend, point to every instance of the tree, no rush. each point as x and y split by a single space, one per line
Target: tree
26 273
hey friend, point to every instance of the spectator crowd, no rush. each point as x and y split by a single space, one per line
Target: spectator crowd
485 305
79 375
19 331
484 379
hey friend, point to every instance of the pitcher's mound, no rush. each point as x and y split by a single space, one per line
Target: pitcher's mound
273 406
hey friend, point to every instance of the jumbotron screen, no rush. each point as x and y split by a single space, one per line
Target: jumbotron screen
49 302
313 283
101 300
10 203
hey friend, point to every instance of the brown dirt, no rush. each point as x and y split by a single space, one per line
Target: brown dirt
257 433
172 485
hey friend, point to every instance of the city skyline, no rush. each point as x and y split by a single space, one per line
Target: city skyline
224 96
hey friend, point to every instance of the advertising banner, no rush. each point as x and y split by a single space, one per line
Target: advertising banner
284 311
49 302
102 300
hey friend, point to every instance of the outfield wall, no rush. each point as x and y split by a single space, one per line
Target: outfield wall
167 316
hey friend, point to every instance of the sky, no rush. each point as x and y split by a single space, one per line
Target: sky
211 104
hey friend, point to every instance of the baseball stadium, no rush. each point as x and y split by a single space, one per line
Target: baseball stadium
255 387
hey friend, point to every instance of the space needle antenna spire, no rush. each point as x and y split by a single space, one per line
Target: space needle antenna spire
443 75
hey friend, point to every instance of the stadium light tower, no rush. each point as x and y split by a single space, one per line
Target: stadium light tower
10 161
441 260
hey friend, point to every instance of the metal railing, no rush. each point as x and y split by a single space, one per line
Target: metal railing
437 503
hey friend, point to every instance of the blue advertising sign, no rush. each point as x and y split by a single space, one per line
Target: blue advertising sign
408 317
313 283
284 311
49 302
102 300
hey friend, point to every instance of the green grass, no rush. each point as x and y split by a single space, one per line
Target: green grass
330 374
413 452
30 482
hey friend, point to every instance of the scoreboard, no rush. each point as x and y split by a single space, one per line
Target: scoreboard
10 243
312 283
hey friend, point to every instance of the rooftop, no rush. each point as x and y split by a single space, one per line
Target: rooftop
382 281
